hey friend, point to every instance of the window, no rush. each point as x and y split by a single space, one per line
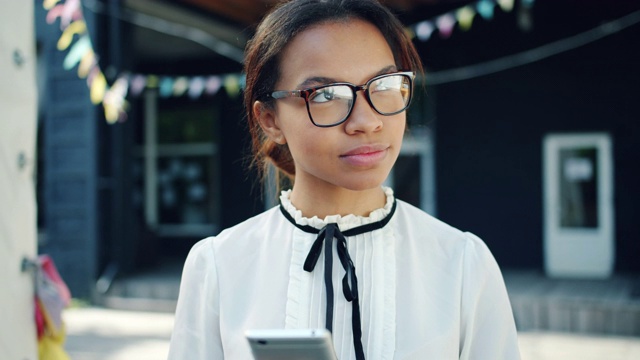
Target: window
178 168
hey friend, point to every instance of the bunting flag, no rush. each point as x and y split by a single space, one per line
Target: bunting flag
463 17
81 54
76 41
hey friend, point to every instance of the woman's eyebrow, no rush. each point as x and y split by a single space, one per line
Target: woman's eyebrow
321 80
316 80
387 70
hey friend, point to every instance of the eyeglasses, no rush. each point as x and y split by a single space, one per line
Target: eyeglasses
331 104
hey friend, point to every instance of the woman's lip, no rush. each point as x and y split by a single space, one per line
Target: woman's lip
365 155
365 149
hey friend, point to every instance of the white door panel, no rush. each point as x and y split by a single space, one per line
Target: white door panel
578 205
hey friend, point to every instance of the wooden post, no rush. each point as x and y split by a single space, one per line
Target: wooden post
18 106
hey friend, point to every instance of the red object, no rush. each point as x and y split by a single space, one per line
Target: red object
49 268
40 322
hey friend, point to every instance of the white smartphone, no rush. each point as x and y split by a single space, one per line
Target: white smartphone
283 344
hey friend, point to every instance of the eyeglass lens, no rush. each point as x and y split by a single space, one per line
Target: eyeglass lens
332 104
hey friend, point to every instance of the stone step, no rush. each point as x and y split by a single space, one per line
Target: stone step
610 306
155 290
607 306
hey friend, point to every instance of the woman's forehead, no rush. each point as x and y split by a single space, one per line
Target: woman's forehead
348 50
320 80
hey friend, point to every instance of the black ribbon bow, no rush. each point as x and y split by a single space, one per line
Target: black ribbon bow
349 281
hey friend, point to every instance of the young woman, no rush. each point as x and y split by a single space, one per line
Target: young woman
328 83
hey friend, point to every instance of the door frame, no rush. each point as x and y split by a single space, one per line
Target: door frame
574 251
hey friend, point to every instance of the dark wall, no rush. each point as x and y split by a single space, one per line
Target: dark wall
489 135
241 190
70 145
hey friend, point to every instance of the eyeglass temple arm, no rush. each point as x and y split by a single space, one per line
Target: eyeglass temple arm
281 94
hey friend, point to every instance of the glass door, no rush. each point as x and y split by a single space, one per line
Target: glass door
413 175
578 208
180 163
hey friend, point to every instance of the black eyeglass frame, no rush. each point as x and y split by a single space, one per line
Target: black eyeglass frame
306 93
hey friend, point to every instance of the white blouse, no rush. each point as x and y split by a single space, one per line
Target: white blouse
426 290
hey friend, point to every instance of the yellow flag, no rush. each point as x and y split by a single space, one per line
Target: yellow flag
232 85
76 27
86 63
49 4
465 17
98 88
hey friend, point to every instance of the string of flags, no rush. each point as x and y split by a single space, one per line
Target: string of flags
464 16
75 38
81 54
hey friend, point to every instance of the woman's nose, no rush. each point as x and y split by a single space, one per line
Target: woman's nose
363 117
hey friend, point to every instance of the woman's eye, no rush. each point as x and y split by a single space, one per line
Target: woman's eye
321 96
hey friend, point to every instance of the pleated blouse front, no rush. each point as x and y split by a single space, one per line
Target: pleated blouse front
374 258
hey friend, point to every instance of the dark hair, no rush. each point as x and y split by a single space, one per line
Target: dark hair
277 29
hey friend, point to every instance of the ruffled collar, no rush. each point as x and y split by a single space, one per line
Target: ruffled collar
345 222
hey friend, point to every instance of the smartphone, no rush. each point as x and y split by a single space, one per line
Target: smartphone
284 344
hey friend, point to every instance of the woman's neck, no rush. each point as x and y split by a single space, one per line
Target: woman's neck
337 201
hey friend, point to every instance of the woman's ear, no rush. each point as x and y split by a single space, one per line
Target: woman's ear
266 117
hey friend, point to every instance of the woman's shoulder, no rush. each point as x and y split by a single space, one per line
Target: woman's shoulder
414 217
255 222
424 228
243 231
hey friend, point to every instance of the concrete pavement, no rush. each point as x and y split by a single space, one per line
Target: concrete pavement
104 334
566 346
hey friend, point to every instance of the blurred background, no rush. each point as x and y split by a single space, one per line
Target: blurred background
524 131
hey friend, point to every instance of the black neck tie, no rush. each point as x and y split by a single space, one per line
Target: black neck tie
349 281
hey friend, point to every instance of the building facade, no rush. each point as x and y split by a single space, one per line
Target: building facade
524 132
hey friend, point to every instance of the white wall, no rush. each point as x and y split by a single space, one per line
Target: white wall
17 166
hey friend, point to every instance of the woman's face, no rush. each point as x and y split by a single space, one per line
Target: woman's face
359 153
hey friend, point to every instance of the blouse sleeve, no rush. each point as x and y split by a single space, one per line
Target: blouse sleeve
487 326
196 331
